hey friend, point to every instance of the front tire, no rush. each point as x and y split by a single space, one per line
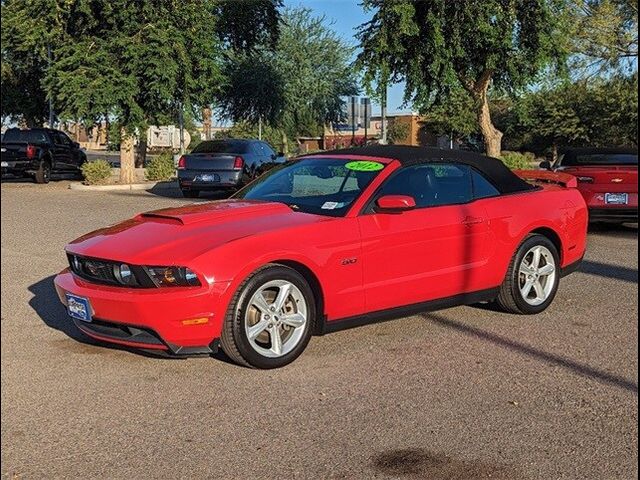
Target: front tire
270 318
533 277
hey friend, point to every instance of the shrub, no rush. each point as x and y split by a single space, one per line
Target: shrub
517 160
161 167
96 172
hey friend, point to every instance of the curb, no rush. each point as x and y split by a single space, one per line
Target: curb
132 186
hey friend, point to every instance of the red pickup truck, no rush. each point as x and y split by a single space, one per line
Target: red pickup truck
37 152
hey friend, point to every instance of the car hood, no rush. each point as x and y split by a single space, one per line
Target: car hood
175 236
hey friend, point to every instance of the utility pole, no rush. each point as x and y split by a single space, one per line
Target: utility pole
51 114
260 127
354 120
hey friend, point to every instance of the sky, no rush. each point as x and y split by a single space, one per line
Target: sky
344 17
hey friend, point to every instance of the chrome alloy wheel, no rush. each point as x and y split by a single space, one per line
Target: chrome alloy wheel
275 318
537 275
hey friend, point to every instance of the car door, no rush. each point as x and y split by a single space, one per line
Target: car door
436 250
63 156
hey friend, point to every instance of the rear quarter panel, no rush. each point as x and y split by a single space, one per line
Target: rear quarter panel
513 217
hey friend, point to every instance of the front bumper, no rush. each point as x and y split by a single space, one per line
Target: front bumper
150 319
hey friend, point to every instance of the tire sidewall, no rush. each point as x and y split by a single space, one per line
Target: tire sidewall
528 244
240 307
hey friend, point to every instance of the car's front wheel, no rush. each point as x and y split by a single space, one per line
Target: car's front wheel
270 319
533 276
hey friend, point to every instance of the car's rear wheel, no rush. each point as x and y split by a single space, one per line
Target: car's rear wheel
190 193
533 277
270 319
43 174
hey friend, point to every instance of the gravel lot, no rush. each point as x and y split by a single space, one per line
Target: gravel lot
463 393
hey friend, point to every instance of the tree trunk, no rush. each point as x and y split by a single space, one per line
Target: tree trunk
490 134
141 153
107 126
285 144
554 152
127 158
206 123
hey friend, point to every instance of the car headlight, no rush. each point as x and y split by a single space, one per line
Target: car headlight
124 275
173 276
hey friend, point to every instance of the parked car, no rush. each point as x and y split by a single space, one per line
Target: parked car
607 179
324 242
39 152
224 165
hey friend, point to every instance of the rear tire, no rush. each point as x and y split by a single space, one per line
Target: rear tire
270 318
532 279
190 193
43 174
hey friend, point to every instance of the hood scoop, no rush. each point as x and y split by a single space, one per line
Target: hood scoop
213 211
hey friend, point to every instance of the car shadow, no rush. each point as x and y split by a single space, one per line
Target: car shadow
171 190
533 352
46 304
625 230
55 177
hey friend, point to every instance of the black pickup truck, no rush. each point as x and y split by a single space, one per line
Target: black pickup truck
37 152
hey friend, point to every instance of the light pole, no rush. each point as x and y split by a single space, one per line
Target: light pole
51 114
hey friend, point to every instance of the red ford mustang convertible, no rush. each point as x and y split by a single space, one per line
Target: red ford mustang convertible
325 242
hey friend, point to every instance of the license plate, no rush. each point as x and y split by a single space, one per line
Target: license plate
4 164
616 198
213 177
78 307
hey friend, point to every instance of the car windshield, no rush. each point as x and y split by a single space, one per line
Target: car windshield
323 186
221 146
600 159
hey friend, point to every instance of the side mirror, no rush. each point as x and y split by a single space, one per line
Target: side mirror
395 203
546 165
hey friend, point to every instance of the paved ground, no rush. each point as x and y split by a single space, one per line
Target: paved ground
463 393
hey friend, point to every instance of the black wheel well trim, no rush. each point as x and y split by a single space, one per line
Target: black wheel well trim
46 157
552 236
313 282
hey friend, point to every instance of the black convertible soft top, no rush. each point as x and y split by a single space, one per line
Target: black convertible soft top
495 170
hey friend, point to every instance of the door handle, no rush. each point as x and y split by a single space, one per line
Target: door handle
468 221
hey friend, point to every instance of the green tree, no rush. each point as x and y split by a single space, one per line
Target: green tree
28 29
136 63
600 112
551 119
453 116
297 87
398 132
438 46
142 62
604 36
